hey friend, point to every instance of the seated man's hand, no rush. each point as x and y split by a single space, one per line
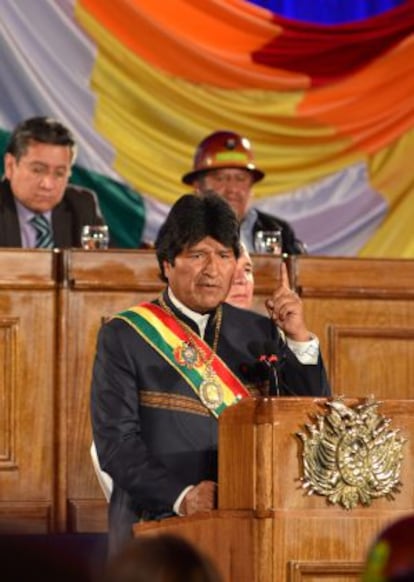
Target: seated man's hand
201 497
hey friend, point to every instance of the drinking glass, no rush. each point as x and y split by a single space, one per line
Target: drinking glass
268 242
95 237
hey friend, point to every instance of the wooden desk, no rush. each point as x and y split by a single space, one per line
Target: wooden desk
51 306
29 284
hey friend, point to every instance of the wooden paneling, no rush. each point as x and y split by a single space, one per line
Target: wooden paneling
224 536
363 312
310 538
89 515
267 528
28 316
375 359
28 517
51 307
343 277
8 358
344 571
250 473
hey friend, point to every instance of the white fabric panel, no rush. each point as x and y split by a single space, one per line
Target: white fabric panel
336 215
45 65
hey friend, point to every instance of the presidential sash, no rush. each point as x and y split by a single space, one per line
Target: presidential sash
209 377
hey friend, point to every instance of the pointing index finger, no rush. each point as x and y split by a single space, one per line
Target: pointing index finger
284 275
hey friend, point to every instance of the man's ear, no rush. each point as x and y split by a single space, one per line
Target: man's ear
167 268
198 185
9 163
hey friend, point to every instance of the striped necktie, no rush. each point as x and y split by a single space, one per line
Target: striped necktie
43 229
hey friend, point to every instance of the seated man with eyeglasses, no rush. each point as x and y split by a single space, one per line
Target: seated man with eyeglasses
38 208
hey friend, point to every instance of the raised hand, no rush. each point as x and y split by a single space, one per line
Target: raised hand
286 309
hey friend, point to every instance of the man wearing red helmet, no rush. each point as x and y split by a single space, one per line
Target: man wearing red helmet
224 163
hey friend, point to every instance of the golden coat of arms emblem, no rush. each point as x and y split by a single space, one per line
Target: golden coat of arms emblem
351 455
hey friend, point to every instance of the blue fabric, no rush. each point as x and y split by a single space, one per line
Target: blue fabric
328 11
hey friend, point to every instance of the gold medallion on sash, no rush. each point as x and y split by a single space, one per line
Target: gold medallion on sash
189 355
210 391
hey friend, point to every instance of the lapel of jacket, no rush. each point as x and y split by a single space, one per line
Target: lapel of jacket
62 222
10 228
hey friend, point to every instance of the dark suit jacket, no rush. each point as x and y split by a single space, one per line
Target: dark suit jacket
153 435
290 244
79 206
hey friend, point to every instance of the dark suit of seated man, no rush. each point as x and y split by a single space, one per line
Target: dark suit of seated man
37 206
165 370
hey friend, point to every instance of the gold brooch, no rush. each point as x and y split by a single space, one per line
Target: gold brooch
351 455
187 355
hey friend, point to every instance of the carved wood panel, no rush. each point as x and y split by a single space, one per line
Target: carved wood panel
368 345
373 360
28 388
8 360
303 571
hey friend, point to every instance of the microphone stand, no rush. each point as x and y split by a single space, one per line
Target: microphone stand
271 362
274 389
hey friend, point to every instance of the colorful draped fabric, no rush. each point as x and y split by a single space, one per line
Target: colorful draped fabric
329 109
328 11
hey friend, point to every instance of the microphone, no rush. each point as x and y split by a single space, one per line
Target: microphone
278 347
271 356
273 361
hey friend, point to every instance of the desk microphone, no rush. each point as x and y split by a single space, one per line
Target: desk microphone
270 355
273 361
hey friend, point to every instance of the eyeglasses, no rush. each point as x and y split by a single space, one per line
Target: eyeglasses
40 171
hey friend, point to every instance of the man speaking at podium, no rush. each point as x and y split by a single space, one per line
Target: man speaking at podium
164 371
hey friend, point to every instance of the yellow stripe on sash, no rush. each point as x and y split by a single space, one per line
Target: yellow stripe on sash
164 333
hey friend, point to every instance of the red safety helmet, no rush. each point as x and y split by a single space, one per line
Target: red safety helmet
391 556
223 149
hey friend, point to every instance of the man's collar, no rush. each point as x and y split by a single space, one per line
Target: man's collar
25 214
200 319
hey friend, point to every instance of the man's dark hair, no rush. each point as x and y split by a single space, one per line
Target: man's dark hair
192 218
39 129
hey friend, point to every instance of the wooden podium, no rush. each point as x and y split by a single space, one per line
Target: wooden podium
267 529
